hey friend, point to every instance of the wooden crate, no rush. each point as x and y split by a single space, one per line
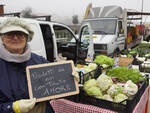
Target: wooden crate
125 61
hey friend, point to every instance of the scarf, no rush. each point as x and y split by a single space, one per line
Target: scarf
17 58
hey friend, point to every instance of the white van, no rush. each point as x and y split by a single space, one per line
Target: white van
53 40
106 30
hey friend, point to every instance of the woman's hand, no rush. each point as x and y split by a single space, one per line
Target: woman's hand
23 105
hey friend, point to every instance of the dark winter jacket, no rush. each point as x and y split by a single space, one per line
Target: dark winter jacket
13 82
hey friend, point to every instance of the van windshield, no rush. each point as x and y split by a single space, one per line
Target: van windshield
103 26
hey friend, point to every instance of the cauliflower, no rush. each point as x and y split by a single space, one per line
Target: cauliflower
115 89
90 83
120 97
94 91
104 82
107 97
130 88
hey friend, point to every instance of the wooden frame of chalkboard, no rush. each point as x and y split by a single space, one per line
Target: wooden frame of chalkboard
51 80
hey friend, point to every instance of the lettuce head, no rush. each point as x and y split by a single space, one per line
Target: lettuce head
92 66
94 91
90 83
120 97
107 97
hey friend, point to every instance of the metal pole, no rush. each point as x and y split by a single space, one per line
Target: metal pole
142 10
142 20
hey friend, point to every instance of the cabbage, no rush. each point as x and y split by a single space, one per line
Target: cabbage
107 97
130 88
104 82
87 69
120 97
115 89
102 59
90 83
94 91
105 66
99 97
92 66
147 55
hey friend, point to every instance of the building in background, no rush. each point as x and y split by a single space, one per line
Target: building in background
2 7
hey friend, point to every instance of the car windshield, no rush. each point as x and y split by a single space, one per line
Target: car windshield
103 26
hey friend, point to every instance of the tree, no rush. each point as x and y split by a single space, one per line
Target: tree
27 12
75 19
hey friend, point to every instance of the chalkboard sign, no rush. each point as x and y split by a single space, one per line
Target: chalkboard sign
51 80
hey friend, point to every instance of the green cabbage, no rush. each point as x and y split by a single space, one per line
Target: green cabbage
120 97
92 66
90 83
102 59
107 97
147 55
94 91
87 69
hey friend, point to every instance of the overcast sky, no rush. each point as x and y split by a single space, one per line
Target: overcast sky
67 8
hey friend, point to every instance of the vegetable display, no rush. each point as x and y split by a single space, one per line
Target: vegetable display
104 88
86 68
140 50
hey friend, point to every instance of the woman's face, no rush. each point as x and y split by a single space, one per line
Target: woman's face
15 41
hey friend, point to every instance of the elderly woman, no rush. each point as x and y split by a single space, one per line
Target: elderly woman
15 55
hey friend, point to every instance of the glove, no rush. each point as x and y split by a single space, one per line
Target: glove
76 75
23 105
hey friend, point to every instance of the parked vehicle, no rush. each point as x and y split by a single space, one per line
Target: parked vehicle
110 29
54 41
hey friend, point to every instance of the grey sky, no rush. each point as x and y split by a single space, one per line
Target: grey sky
67 8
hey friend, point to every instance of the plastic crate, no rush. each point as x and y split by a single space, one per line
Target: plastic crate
92 74
74 98
118 107
83 78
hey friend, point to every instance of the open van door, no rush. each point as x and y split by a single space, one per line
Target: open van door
86 40
67 43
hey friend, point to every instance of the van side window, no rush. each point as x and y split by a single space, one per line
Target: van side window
85 36
120 27
62 34
66 43
48 41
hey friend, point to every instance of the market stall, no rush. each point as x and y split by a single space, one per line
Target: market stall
108 85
